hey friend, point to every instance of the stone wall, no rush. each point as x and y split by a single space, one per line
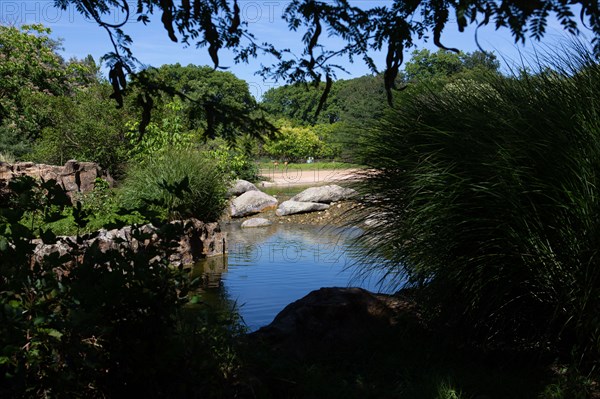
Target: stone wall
199 240
74 176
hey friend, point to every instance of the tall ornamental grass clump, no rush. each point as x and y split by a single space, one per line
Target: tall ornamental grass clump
176 184
486 198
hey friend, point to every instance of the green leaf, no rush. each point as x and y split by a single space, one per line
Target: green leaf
14 304
3 244
47 236
53 333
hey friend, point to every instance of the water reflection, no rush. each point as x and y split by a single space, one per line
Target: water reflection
211 270
268 268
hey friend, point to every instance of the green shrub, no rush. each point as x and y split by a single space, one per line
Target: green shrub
232 162
7 157
87 127
99 207
203 196
487 198
115 323
296 143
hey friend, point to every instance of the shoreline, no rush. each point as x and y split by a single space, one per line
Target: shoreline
299 177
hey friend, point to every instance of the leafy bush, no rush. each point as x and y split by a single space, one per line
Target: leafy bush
295 143
191 173
99 208
487 198
85 126
111 324
169 134
233 162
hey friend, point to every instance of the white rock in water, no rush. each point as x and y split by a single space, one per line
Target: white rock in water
251 202
293 207
326 194
256 222
240 187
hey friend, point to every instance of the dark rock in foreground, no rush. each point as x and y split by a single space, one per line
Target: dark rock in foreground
332 319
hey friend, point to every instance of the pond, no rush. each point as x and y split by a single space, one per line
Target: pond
268 268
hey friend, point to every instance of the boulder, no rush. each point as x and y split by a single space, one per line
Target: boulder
336 319
240 187
325 194
293 207
251 202
256 222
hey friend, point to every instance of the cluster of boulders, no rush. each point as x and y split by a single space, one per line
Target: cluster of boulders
73 177
197 240
249 200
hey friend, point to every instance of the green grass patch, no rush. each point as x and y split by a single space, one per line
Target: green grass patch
269 167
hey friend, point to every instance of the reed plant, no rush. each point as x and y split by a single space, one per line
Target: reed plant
485 197
176 184
7 157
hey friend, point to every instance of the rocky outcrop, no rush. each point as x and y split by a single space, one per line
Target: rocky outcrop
325 194
256 222
333 319
251 202
293 207
197 240
73 177
240 187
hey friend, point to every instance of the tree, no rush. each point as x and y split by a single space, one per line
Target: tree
32 74
393 27
350 101
30 71
296 143
86 126
296 102
426 65
214 102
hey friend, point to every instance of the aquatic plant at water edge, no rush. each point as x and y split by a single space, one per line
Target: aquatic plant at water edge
486 198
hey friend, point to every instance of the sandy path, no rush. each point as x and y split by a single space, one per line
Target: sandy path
299 177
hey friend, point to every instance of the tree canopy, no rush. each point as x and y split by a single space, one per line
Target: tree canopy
349 101
216 103
391 27
425 64
32 74
361 101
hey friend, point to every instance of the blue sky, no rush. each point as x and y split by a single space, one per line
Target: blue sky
152 46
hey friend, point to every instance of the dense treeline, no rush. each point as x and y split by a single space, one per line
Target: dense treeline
356 104
362 100
53 110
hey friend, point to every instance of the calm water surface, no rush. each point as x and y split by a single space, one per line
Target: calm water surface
268 268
